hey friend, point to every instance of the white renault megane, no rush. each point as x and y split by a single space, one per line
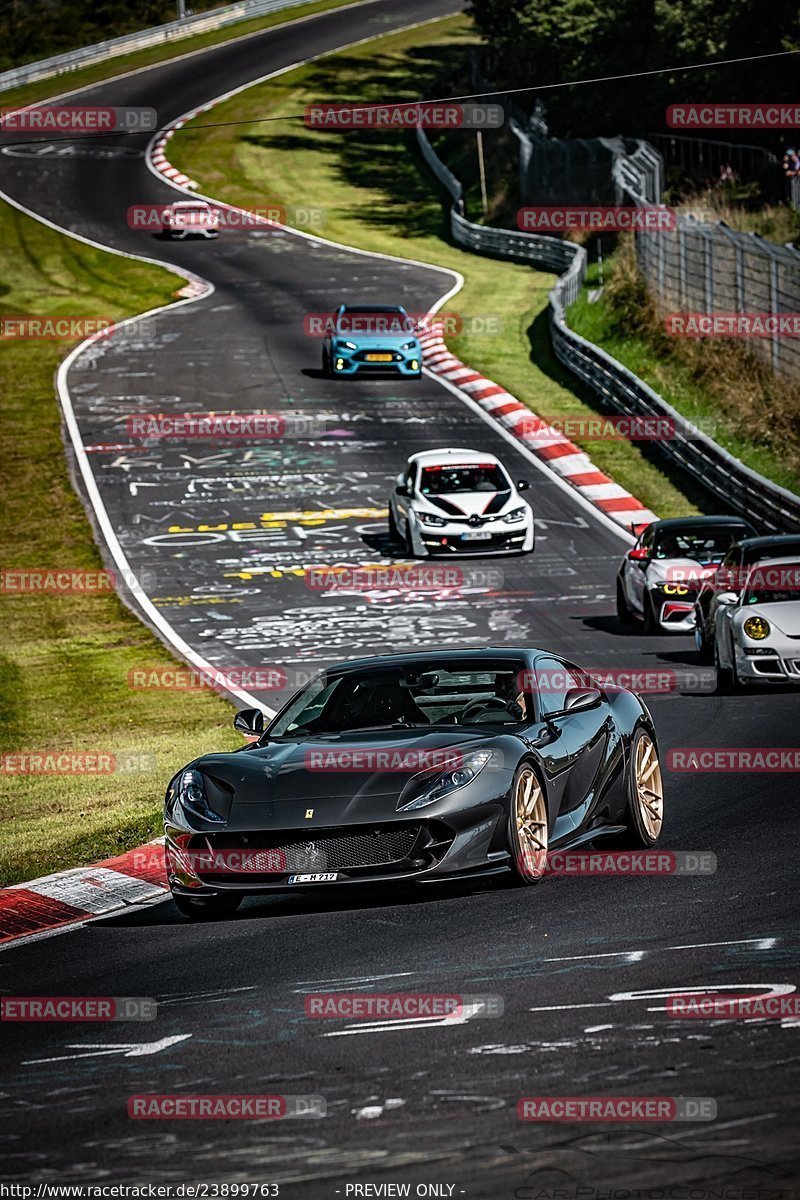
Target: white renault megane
452 501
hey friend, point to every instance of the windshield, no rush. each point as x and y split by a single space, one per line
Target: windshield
368 322
773 585
410 697
707 544
470 477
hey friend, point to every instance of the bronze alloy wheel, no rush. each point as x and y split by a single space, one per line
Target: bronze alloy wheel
530 823
649 787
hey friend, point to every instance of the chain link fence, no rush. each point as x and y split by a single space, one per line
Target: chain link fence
772 508
706 267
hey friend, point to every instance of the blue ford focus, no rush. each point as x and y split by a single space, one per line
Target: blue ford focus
379 338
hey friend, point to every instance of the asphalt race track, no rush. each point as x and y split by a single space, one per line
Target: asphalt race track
219 535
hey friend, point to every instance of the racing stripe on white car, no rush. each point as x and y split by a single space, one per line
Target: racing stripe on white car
560 454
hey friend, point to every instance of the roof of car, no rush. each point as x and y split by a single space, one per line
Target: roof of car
428 458
671 523
789 560
190 204
424 658
372 308
768 542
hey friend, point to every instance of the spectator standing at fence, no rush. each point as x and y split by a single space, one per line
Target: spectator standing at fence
727 175
791 163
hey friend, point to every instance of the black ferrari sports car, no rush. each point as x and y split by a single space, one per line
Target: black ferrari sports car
415 768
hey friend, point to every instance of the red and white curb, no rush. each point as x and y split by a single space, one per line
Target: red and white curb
561 455
72 897
159 159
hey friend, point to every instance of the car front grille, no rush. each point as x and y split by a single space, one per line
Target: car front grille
261 853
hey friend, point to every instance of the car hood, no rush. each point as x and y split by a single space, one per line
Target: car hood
274 785
367 340
784 616
469 504
677 570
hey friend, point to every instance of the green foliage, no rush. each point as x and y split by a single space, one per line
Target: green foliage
535 42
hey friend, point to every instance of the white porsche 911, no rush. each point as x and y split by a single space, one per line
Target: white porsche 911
757 632
453 501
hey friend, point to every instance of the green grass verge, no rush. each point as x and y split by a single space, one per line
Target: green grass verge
108 68
64 659
752 415
379 195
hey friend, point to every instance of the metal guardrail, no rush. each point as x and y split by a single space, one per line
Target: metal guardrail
741 490
216 18
707 154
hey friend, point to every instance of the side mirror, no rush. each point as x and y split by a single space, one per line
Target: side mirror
402 489
579 698
727 598
250 722
523 485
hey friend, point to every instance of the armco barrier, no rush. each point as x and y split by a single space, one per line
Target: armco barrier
215 18
740 490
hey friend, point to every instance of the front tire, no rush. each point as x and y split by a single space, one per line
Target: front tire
649 624
528 830
725 675
624 615
207 908
644 811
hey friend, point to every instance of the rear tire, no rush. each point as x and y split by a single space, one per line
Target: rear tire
700 640
644 811
326 364
207 908
528 831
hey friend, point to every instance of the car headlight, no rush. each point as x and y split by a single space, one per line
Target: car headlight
192 797
450 781
430 519
348 345
756 628
409 346
516 514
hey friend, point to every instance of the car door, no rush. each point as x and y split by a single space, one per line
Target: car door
572 744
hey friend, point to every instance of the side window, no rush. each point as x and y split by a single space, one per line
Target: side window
411 476
726 577
553 680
